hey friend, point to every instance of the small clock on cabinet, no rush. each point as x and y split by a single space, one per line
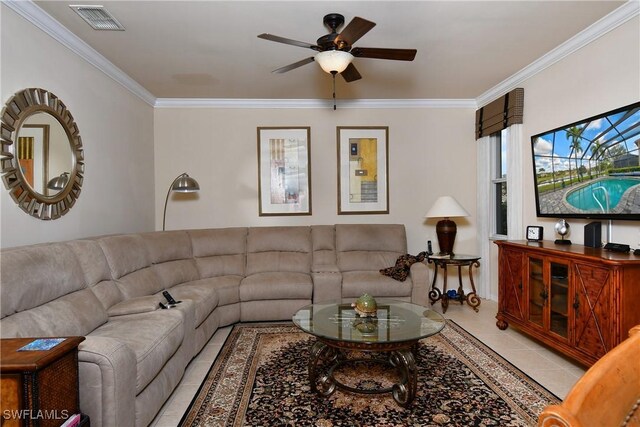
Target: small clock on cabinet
534 233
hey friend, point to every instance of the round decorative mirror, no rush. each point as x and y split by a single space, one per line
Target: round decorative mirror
42 160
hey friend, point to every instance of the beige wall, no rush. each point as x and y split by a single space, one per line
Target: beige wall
431 153
601 76
116 129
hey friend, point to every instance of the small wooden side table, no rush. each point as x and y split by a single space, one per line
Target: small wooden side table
39 387
459 261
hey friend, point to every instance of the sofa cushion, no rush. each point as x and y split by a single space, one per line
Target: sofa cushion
324 245
34 275
203 296
276 285
227 288
92 260
277 249
154 337
125 253
140 283
167 245
172 273
356 283
96 271
219 252
362 247
74 314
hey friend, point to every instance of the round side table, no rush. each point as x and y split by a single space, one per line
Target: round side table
443 296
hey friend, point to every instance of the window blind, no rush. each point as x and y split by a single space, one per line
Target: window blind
500 114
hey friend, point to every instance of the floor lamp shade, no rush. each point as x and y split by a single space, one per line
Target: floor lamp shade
183 183
446 207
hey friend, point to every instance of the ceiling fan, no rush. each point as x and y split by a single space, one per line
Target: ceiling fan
336 51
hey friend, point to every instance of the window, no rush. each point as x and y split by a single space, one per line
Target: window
499 184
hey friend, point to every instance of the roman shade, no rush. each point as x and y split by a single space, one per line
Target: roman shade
500 114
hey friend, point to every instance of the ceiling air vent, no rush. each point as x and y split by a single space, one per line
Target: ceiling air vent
98 17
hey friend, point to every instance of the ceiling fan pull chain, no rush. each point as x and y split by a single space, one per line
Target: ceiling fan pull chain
334 90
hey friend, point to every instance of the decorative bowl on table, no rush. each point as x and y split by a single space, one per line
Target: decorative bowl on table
365 306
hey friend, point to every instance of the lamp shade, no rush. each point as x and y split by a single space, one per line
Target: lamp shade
446 207
185 184
333 61
59 182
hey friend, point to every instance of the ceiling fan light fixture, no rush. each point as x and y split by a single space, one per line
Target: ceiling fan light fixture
333 61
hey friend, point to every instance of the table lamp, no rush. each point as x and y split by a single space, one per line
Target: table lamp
446 207
182 184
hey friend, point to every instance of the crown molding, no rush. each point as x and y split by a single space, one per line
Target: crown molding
312 103
38 17
599 28
41 19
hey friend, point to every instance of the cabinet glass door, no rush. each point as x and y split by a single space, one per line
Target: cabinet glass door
537 292
559 309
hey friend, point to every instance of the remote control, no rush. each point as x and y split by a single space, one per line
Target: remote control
429 248
169 298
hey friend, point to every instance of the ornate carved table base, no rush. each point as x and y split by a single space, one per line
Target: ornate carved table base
458 261
327 356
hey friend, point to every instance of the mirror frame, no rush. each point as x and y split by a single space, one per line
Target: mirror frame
17 109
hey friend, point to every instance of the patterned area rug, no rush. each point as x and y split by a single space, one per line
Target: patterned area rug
260 379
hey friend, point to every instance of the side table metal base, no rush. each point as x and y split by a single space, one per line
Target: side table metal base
458 261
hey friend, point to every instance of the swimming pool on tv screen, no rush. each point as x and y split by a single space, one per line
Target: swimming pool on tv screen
593 197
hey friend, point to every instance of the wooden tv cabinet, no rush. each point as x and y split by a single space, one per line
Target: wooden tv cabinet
581 301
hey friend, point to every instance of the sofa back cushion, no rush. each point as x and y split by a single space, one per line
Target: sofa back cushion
74 314
220 251
130 264
97 274
324 245
125 253
362 247
172 257
44 293
35 275
281 249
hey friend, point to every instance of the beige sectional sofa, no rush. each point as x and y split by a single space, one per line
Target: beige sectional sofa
108 289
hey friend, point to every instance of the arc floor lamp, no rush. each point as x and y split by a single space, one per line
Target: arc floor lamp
182 184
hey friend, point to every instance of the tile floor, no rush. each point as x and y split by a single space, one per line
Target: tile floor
549 368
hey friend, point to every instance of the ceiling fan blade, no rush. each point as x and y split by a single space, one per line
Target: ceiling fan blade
357 28
351 73
381 53
294 65
279 39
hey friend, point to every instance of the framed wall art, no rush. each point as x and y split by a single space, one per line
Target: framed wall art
363 170
284 171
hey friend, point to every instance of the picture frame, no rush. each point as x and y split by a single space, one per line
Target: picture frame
284 171
363 170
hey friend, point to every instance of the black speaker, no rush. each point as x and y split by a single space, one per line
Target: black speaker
593 234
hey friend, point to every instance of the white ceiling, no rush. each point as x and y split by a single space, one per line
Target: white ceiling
210 49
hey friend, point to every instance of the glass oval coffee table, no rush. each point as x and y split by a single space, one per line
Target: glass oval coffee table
391 338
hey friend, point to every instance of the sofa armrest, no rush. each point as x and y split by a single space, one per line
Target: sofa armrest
135 306
420 279
107 377
327 283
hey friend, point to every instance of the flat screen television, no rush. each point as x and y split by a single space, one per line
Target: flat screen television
590 168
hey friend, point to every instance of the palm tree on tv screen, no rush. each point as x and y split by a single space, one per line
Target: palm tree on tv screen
573 134
595 153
